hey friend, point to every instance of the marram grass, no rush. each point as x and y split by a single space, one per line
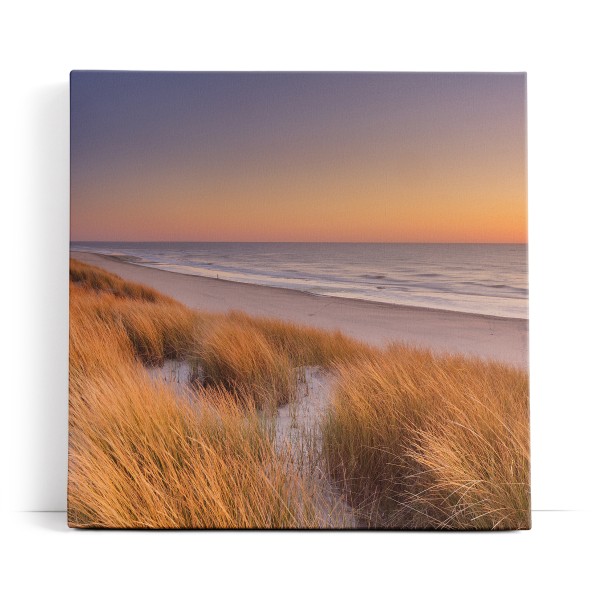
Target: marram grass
411 440
419 441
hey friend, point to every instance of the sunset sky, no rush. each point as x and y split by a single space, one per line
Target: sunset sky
356 157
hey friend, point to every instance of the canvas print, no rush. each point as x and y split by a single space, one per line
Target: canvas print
298 301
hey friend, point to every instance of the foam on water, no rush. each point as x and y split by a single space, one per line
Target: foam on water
489 279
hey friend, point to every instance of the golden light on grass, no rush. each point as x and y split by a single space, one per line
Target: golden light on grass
412 439
140 457
420 441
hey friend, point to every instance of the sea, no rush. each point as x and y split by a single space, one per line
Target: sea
487 279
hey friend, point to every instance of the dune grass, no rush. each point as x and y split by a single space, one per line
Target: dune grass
260 357
303 345
238 357
413 440
90 277
140 457
157 330
419 441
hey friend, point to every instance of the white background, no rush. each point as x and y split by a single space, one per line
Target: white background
556 43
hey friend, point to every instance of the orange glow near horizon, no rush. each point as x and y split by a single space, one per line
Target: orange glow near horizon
423 175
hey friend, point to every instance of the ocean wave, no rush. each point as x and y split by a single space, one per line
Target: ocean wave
479 279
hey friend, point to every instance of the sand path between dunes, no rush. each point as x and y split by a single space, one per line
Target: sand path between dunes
297 432
486 337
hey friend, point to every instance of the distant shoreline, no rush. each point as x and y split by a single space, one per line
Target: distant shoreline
489 337
122 258
480 279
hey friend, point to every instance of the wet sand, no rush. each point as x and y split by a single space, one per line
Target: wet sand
496 338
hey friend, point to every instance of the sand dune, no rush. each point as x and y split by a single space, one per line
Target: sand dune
444 331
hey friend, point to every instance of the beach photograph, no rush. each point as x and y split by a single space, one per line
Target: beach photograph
298 300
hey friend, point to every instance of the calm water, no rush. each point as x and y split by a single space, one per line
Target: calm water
488 279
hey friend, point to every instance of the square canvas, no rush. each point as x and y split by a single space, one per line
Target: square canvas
298 300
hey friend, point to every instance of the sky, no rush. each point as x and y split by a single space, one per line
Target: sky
328 157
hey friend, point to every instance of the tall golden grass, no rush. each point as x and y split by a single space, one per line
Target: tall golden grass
412 439
140 457
157 330
259 357
419 441
303 345
238 357
90 277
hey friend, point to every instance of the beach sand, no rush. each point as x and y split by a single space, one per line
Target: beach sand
496 338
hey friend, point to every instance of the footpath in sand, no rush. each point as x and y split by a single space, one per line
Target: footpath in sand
297 431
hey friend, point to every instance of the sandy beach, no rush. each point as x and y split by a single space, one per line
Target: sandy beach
487 337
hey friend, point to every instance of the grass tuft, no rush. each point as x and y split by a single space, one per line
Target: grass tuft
239 357
303 345
99 280
419 441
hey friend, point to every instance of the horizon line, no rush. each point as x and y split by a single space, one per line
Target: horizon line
280 242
